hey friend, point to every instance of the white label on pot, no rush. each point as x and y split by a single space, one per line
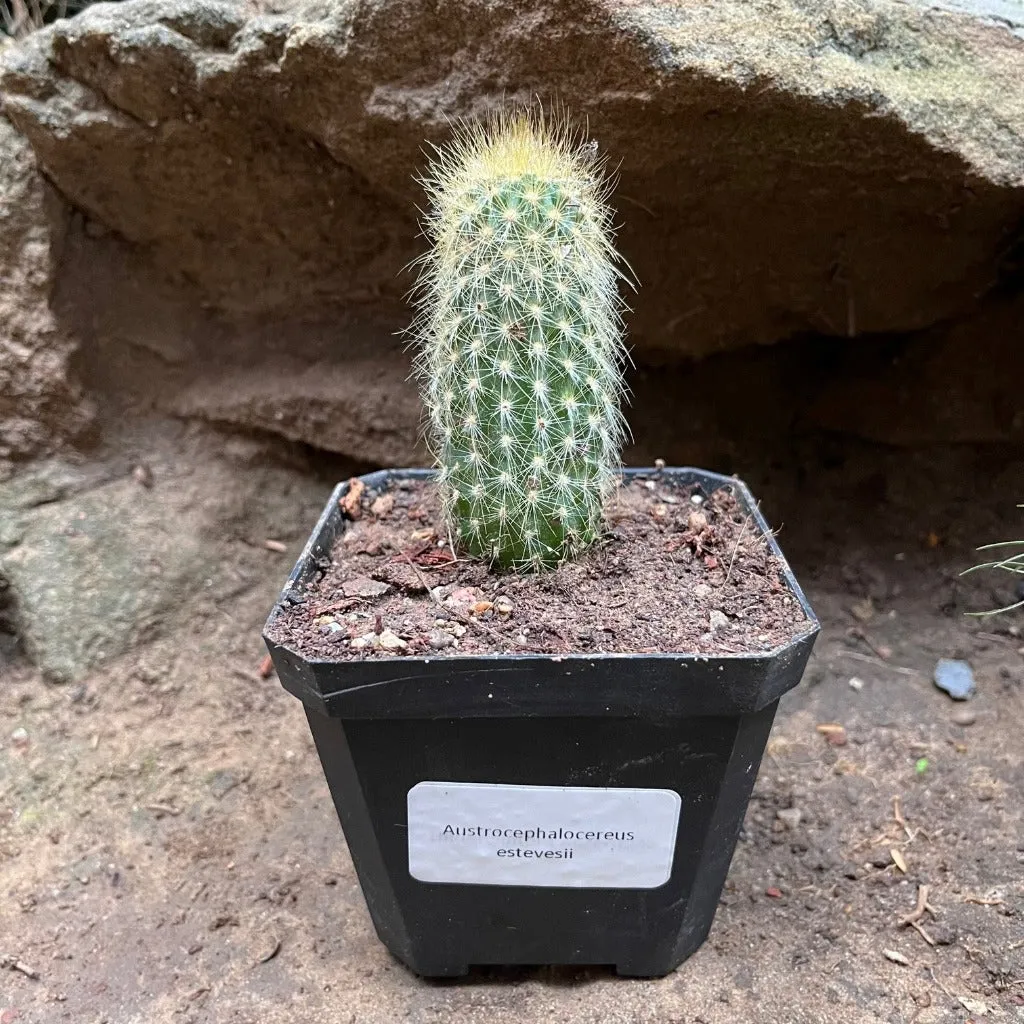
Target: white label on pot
567 836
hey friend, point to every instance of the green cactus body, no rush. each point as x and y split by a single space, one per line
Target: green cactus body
520 342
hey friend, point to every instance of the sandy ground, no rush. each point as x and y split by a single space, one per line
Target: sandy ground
169 852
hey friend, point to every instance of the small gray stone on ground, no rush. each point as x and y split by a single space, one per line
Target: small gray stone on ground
222 782
439 639
955 677
385 641
102 565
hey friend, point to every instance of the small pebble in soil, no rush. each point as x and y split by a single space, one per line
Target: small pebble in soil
503 605
462 599
143 475
386 640
963 716
439 639
222 782
383 505
856 684
718 619
362 586
955 677
790 817
20 737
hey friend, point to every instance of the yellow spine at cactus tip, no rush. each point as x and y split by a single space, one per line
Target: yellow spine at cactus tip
521 352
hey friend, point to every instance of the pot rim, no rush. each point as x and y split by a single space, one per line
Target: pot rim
377 478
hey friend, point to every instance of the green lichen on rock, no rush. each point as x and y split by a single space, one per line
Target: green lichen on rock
521 351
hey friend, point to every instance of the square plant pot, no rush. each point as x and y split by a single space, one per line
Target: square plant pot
538 809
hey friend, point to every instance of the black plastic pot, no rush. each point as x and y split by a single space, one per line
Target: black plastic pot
632 772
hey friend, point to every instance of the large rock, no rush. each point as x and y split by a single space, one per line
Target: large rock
39 401
245 179
958 384
840 167
94 561
367 407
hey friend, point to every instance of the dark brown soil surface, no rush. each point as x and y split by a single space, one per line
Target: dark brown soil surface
676 573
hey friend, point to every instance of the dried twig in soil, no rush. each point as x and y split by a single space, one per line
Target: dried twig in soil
997 638
859 634
920 931
336 606
870 660
984 901
163 809
735 551
913 919
931 971
922 907
12 963
897 814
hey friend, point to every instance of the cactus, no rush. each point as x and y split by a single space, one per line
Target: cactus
520 348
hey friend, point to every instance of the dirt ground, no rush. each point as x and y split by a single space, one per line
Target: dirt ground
169 852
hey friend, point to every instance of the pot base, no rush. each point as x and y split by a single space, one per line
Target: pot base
441 929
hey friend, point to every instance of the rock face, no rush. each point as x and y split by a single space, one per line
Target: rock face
94 562
953 385
785 168
38 400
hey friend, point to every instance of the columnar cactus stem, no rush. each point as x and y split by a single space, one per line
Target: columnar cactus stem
521 353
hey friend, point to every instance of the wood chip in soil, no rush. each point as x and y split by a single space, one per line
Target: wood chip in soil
671 575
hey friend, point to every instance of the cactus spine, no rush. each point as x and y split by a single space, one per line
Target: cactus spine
519 332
